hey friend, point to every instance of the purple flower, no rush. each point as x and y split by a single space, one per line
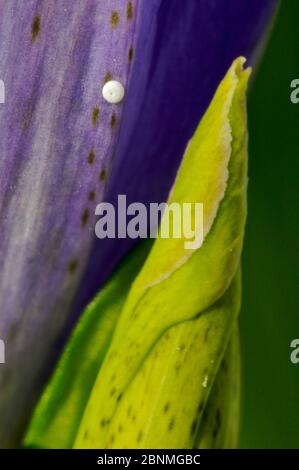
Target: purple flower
61 143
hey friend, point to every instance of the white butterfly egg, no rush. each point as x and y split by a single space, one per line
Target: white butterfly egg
113 92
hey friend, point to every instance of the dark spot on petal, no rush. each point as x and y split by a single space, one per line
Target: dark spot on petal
131 54
84 217
91 196
113 120
112 439
120 428
95 115
114 20
91 156
108 77
72 266
35 28
130 10
171 424
112 392
140 436
103 175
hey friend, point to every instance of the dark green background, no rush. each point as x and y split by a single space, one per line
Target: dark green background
270 317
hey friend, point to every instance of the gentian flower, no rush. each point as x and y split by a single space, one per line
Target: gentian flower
64 148
140 366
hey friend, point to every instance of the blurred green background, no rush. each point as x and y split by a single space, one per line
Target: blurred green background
270 317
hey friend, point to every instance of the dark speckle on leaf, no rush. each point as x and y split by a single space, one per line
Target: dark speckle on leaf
139 437
35 27
119 397
166 407
171 424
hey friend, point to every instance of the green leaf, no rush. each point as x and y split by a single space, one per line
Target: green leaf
175 285
58 414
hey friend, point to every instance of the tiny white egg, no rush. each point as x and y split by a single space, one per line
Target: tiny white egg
113 92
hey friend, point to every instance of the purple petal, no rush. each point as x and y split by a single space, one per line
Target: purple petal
184 49
57 143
